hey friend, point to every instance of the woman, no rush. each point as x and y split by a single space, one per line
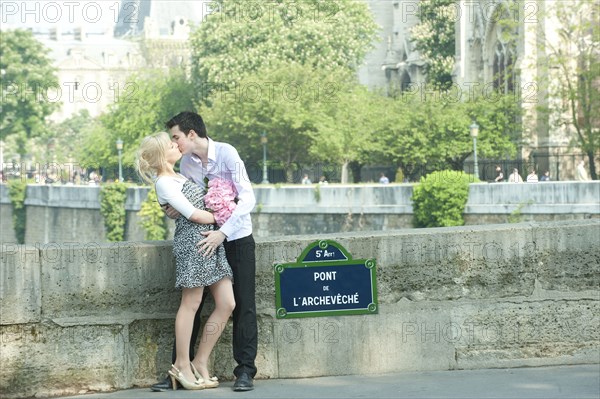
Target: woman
155 162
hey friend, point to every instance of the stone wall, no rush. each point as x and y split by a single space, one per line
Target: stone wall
498 203
58 214
100 316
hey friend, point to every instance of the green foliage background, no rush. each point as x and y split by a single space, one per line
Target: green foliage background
17 189
152 218
112 208
241 38
433 36
27 69
154 97
418 131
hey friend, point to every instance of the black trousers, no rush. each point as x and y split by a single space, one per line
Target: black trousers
241 255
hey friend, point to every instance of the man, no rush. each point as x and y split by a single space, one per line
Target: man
205 158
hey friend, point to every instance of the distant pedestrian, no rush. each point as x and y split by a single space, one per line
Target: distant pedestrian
532 177
499 175
515 177
545 176
306 180
581 173
323 180
383 179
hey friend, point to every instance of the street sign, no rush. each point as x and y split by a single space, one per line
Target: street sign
325 281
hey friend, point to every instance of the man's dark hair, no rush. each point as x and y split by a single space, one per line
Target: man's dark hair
187 121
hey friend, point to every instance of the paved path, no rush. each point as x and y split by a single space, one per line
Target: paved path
576 382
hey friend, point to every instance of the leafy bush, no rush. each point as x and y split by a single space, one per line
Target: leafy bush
16 193
153 218
440 197
112 208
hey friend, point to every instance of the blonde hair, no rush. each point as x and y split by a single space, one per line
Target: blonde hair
151 156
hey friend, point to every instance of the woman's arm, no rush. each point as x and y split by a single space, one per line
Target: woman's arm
168 190
202 217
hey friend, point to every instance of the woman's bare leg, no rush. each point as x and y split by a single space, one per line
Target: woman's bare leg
190 301
222 292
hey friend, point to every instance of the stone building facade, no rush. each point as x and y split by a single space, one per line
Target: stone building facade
94 67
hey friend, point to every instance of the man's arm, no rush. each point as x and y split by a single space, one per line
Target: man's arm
232 164
170 211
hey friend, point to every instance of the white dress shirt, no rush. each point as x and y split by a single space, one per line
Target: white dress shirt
225 162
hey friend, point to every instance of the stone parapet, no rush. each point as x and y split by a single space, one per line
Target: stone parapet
72 213
325 199
534 198
101 316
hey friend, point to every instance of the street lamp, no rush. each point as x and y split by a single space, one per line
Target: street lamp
1 155
119 150
474 133
263 140
2 73
1 161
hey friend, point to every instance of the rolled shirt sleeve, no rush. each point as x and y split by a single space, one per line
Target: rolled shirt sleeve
245 194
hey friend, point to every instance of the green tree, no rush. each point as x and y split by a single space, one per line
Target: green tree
27 77
499 120
345 133
64 138
576 54
285 102
240 37
434 38
155 97
433 132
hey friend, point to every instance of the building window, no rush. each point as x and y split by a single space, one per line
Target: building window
503 68
501 46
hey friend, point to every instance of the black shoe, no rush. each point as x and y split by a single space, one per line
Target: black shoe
164 385
243 383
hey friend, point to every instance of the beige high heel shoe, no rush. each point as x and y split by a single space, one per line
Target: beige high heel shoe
178 377
212 382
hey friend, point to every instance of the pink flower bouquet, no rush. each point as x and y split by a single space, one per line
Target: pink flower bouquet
220 199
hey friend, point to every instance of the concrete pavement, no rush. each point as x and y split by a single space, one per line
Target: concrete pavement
577 382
